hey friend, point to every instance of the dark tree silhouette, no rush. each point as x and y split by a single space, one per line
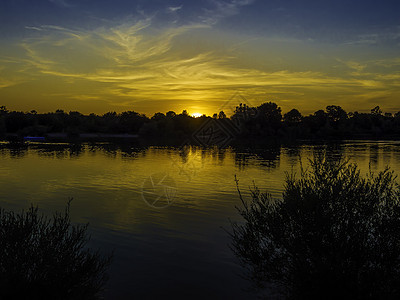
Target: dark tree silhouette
171 114
270 112
43 258
334 235
3 110
292 117
248 122
221 115
336 113
376 111
158 116
244 112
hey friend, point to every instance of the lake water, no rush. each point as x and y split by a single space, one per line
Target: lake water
163 210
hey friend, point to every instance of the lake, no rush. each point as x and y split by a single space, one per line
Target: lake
163 211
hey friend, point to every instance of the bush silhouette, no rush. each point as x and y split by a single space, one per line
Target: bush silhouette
334 234
47 258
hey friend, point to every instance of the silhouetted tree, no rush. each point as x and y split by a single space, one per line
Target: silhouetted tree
131 121
293 125
321 116
3 110
221 115
183 124
270 112
47 258
293 117
244 112
333 235
336 113
269 118
376 111
158 116
262 121
171 114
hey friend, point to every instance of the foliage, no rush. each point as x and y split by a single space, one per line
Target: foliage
265 120
334 234
293 117
47 258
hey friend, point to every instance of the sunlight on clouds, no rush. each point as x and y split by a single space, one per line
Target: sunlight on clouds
6 83
10 72
133 62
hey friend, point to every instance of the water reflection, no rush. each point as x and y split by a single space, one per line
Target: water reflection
185 239
374 152
14 150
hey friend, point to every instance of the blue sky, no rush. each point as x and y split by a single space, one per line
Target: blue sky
326 20
158 55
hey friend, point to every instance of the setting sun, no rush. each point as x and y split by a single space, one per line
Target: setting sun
196 115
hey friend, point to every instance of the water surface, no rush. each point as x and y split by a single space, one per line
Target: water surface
168 238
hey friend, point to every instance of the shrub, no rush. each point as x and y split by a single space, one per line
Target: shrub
47 258
334 234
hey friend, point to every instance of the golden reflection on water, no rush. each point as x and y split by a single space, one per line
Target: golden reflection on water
107 182
185 238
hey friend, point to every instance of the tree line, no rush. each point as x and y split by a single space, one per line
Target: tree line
265 120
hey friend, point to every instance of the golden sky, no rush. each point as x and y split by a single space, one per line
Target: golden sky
183 56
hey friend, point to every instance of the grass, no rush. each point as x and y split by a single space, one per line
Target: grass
334 234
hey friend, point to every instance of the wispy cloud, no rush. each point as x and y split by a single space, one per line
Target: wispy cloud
222 9
135 61
12 69
174 9
7 83
390 36
33 28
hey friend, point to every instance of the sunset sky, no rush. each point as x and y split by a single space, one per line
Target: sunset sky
159 55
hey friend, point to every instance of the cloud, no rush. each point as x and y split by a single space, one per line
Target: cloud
7 83
222 9
33 28
174 9
11 69
135 61
388 36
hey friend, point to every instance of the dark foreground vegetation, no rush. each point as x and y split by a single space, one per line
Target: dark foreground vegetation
333 235
265 120
47 258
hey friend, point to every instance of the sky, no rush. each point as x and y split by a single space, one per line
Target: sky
203 56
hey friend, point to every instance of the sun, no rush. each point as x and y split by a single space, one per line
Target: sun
196 115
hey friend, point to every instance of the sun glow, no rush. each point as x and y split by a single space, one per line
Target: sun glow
196 115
